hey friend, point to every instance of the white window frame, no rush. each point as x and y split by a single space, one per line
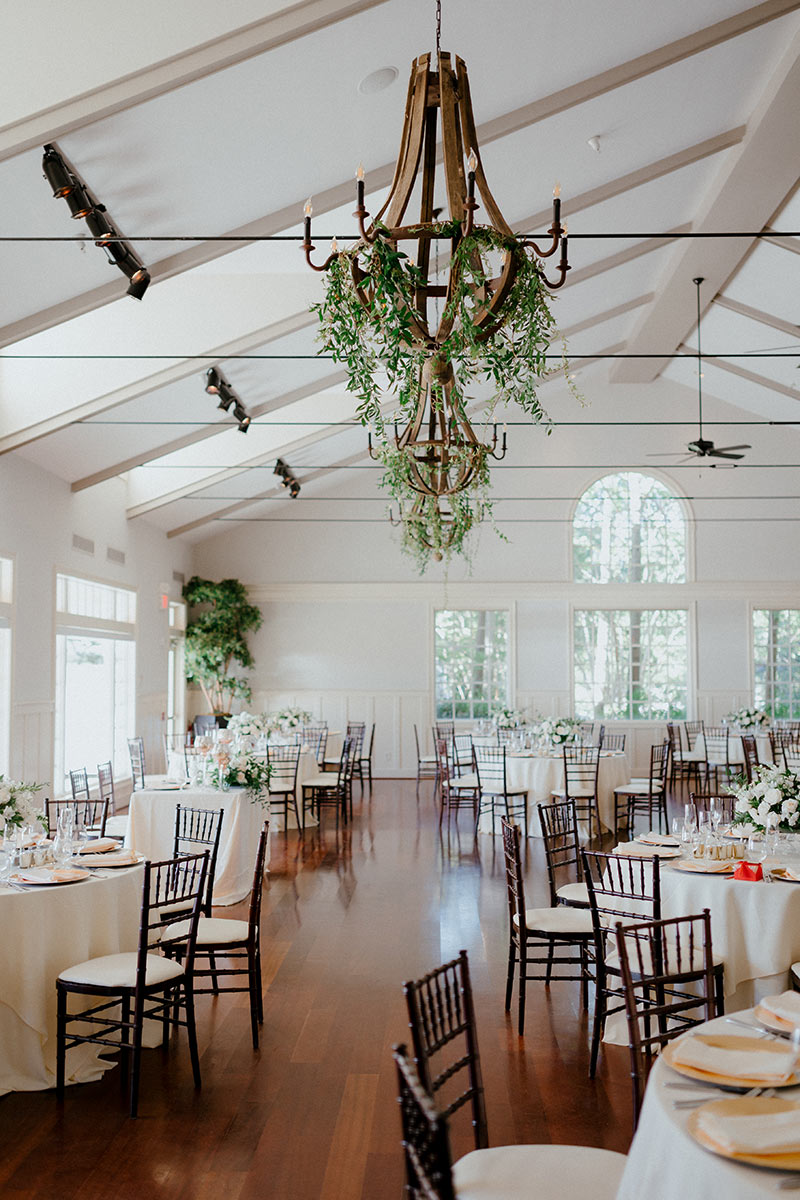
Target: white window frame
766 606
78 624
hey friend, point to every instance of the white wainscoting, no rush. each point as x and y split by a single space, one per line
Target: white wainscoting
32 742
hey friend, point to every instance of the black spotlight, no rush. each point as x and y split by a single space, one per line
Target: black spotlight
226 397
242 416
213 380
140 282
78 201
294 490
56 173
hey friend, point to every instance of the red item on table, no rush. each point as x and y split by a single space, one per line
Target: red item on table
751 871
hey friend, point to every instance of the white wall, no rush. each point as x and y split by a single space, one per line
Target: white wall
348 623
40 516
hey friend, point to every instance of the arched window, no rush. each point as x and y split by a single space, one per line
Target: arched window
629 528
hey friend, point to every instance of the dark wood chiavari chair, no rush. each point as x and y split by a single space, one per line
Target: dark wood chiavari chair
427 766
79 784
550 1172
462 754
316 738
722 803
668 980
559 824
718 756
581 771
491 766
145 984
284 761
791 754
542 937
441 1016
136 753
614 742
331 791
116 826
87 813
198 829
457 791
365 761
682 765
750 752
644 795
694 729
238 942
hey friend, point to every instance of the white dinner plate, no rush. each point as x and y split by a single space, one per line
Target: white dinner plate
49 876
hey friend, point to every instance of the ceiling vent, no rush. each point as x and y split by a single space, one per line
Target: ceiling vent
115 556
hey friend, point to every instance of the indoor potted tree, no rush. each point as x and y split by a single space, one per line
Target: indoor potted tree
216 639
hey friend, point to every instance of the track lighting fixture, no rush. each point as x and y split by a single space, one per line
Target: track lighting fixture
217 385
67 184
287 479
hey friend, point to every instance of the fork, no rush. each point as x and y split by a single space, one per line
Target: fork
697 1101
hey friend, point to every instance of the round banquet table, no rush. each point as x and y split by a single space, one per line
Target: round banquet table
755 928
542 774
46 930
666 1163
735 749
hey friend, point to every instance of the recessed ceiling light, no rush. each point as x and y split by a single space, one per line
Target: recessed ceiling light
378 80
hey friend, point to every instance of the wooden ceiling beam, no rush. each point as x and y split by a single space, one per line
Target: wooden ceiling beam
334 197
751 185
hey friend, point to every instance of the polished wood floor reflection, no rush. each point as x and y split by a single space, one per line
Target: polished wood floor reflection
348 915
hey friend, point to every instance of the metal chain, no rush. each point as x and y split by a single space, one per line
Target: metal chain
438 28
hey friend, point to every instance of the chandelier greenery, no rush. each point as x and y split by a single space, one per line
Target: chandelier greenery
420 332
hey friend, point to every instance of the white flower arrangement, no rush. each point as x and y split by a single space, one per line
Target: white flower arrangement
748 718
248 725
560 731
288 718
18 804
772 790
509 718
226 768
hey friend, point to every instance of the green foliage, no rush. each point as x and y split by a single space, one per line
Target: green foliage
368 321
216 639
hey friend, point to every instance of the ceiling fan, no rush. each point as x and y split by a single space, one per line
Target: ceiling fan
701 447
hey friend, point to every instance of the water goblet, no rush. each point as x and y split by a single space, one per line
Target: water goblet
715 812
772 834
689 818
756 847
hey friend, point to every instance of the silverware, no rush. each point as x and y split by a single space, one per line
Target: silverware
791 1183
763 1030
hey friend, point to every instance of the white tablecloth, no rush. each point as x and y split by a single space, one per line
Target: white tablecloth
541 775
664 1161
755 928
151 831
735 749
46 930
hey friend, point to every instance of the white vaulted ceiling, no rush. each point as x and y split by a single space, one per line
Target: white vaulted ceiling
200 121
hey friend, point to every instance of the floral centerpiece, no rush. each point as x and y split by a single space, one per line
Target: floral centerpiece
748 718
245 729
772 790
559 731
509 718
19 805
289 718
225 767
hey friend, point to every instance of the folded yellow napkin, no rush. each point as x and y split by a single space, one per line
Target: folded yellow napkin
772 1065
786 1006
765 1133
708 866
786 873
123 858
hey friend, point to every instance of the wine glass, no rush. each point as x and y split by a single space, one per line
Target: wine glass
756 847
772 834
689 819
715 812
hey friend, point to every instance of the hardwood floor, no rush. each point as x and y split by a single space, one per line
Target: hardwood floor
348 915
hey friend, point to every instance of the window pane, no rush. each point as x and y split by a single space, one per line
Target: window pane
86 598
629 528
631 664
95 703
470 662
776 666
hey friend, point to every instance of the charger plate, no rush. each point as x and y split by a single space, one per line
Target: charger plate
727 1041
772 1020
696 866
746 1106
48 877
117 860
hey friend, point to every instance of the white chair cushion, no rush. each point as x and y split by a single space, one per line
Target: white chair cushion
612 958
426 758
794 972
465 781
117 826
119 970
637 787
575 893
559 920
538 1173
574 792
211 931
321 781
